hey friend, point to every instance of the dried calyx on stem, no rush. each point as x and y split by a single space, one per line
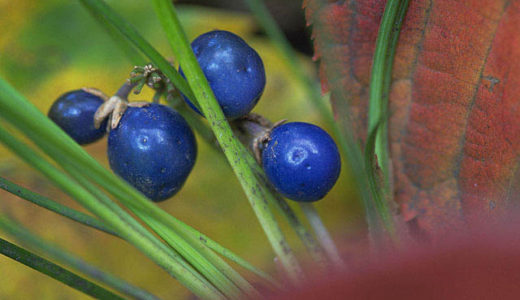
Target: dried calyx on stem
115 106
254 131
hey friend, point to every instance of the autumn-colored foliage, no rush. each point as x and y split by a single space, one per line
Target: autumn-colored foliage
454 100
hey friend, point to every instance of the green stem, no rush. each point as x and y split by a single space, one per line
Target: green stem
229 144
50 269
387 82
67 259
378 103
380 82
323 234
51 205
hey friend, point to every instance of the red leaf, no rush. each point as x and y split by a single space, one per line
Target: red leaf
454 101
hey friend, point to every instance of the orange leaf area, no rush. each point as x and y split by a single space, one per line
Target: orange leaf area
454 100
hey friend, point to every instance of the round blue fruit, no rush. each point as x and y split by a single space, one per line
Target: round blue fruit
153 149
301 161
74 113
234 70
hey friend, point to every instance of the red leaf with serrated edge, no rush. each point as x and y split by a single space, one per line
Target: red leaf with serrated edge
454 100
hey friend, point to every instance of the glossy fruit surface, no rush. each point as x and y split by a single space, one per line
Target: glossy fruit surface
153 149
74 113
234 70
302 161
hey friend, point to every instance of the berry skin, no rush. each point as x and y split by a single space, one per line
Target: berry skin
153 149
302 161
234 70
74 113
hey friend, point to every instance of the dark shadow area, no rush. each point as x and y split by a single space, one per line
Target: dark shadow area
288 14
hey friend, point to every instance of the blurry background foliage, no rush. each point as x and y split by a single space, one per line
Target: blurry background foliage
50 47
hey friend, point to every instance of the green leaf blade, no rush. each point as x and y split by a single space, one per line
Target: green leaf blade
54 271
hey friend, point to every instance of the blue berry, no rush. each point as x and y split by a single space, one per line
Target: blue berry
301 161
234 70
74 113
153 149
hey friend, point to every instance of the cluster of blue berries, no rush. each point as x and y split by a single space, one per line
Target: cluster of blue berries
152 147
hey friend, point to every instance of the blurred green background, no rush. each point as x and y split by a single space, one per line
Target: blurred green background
50 47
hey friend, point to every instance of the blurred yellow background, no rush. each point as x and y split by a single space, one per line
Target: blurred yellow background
50 47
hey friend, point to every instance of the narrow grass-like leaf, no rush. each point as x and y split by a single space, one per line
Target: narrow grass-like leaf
54 206
93 222
118 219
232 256
30 240
387 81
189 255
380 79
323 234
79 177
376 183
185 254
215 266
377 152
229 144
54 271
194 257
